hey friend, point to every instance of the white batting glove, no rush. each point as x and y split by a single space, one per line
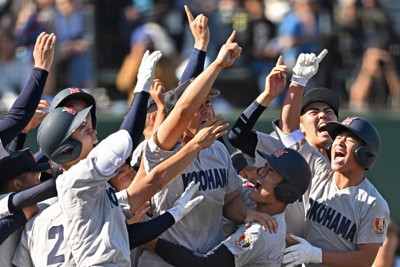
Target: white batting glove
147 67
301 253
306 67
185 203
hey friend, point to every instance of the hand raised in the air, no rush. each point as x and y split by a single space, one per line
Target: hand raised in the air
229 52
306 67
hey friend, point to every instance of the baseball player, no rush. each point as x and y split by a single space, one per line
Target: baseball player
25 105
346 217
161 104
277 185
84 194
318 106
19 172
77 98
202 229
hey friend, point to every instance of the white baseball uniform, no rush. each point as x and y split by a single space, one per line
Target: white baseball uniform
340 219
4 211
253 246
200 230
94 221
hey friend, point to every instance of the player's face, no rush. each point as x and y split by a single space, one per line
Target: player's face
204 114
313 121
87 136
79 105
343 153
124 177
267 178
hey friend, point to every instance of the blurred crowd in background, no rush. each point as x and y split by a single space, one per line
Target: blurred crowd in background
100 45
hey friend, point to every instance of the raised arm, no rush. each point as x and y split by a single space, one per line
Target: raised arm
135 119
242 135
306 67
171 130
25 105
201 34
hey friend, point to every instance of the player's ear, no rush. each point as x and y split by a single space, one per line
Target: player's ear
16 184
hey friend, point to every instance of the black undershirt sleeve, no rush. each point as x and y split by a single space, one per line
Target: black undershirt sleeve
143 232
242 135
24 106
218 257
33 195
10 224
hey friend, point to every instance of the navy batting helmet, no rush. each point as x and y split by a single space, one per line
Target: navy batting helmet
55 131
368 153
295 171
68 94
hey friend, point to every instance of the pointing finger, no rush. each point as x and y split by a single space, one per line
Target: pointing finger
231 38
189 14
279 62
322 55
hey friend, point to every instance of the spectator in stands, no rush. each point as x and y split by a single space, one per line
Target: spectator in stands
14 72
75 38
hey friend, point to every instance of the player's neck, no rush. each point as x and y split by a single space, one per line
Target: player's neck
346 180
271 208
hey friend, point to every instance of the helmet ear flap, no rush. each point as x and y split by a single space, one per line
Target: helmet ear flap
365 157
287 193
68 151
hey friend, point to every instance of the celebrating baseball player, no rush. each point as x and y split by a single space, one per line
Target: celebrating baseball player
278 184
202 229
346 217
318 106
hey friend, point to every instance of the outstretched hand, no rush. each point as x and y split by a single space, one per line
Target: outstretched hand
210 131
199 28
306 67
276 80
43 52
229 52
146 71
186 202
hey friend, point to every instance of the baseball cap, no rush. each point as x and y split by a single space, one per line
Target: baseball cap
240 161
173 95
19 162
321 94
291 165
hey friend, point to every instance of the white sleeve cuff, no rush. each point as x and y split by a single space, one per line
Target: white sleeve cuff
292 139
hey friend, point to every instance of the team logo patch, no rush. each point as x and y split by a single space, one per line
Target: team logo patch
348 121
280 152
249 185
74 90
379 225
69 110
244 242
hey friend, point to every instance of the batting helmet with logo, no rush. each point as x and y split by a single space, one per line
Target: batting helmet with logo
367 154
295 171
55 131
68 94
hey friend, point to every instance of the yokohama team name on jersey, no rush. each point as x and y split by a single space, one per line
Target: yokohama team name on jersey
208 179
331 219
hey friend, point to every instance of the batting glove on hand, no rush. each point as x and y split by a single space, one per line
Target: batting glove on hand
301 253
185 203
306 67
147 67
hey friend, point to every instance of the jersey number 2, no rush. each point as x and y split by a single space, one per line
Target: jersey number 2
56 232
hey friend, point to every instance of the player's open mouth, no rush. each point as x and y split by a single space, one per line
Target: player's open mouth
339 154
322 127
